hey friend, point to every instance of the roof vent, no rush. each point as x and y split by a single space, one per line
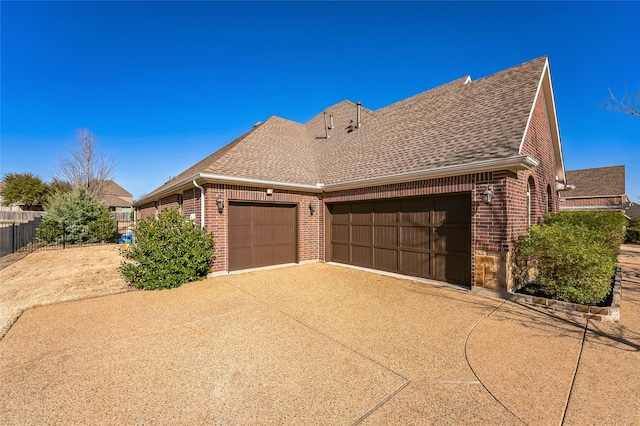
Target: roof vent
257 124
358 108
326 127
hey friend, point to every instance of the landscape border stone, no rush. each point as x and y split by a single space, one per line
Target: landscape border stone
597 313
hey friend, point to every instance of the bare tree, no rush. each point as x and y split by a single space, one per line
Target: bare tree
628 104
85 165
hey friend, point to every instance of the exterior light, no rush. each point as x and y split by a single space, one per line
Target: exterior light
312 208
487 195
269 191
220 204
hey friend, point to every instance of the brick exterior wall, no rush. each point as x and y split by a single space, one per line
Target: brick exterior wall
593 201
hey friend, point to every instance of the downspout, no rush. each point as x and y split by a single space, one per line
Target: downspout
201 203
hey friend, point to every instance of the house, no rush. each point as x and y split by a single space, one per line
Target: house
633 210
439 185
597 189
117 198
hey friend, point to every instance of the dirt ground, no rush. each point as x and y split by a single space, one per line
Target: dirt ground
46 277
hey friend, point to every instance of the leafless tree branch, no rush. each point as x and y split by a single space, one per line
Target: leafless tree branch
628 104
85 165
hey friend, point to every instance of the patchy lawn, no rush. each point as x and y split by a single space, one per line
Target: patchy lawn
46 277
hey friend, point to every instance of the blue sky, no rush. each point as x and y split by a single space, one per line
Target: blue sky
164 84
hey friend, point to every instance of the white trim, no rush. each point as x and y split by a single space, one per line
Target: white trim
523 162
588 208
592 196
551 111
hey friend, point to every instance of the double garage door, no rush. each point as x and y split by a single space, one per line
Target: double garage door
425 237
261 235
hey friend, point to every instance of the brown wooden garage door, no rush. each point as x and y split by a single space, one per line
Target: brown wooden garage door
425 237
261 235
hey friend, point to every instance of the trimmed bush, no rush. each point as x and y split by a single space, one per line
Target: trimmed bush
567 262
76 217
607 227
633 231
168 252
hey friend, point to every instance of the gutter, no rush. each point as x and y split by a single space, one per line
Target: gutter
514 164
521 162
201 203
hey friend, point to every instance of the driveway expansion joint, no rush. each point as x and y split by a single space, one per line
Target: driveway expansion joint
466 357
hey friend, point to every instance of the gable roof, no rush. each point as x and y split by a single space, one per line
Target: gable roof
113 194
109 187
596 182
460 127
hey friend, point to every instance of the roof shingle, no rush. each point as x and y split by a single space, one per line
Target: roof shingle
454 124
600 181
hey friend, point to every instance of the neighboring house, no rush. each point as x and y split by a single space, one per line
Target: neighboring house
597 189
633 210
439 185
115 197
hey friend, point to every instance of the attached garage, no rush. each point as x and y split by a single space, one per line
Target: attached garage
261 234
426 237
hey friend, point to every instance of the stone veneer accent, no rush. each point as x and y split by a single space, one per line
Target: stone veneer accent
596 313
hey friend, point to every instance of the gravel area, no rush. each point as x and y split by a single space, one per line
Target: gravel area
52 276
317 344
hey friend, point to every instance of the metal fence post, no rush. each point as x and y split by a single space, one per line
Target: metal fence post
13 237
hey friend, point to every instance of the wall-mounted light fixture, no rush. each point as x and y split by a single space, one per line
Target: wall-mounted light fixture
312 208
220 204
269 191
487 195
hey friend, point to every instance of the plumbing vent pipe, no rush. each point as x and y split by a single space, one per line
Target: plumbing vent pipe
330 121
326 128
358 107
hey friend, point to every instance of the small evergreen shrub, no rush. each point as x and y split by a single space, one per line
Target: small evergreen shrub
572 256
76 217
168 251
607 227
633 231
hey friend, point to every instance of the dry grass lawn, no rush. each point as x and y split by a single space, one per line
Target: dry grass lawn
47 277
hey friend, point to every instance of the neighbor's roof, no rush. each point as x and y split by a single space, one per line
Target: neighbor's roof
109 187
600 181
458 123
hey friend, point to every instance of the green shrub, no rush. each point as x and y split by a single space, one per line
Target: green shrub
607 227
568 262
76 217
633 231
168 251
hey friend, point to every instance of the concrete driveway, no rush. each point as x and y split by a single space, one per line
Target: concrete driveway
314 344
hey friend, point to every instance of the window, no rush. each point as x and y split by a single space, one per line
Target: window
531 187
549 199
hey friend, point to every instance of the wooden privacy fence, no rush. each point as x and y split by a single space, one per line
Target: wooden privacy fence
16 236
19 216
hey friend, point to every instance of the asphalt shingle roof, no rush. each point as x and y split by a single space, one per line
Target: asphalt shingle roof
600 181
454 124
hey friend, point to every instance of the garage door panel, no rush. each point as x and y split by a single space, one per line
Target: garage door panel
386 259
261 235
415 237
362 255
423 236
385 235
416 264
340 253
243 236
340 232
361 234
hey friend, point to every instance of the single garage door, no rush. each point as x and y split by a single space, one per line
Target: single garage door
424 237
261 235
